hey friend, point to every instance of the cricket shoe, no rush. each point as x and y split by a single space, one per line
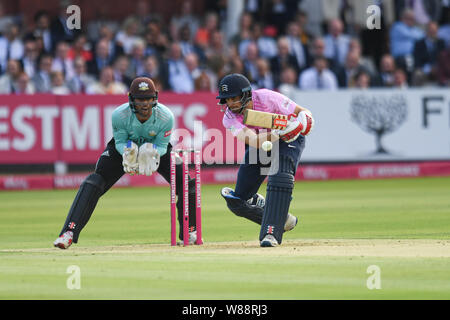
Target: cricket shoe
269 241
291 222
192 239
64 241
257 200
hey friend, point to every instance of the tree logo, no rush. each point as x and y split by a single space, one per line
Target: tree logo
379 115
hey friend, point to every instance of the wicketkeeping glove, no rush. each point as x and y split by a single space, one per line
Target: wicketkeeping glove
129 158
148 159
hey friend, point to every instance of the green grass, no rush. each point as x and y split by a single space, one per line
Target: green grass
123 252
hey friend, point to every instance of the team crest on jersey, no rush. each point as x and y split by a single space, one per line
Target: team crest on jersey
167 133
152 133
143 86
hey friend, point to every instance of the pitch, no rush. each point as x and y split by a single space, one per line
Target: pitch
400 226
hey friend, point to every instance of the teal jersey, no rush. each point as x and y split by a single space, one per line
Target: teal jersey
156 130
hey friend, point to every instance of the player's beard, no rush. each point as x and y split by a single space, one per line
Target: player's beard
144 113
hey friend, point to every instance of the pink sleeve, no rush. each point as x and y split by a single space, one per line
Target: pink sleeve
275 102
285 105
233 125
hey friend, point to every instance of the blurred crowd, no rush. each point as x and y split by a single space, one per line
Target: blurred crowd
281 44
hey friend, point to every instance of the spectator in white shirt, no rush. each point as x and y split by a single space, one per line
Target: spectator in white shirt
11 46
128 35
58 84
318 77
106 84
179 77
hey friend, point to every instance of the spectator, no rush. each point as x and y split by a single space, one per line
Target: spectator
245 25
400 79
179 79
107 84
235 65
288 80
296 47
9 78
156 41
250 60
385 77
267 45
114 49
367 63
41 79
203 83
151 67
30 56
191 61
102 20
81 79
58 27
336 43
5 20
279 12
352 66
58 84
444 29
127 36
11 46
427 50
101 59
264 76
443 68
136 65
283 60
42 30
121 68
143 14
61 61
187 44
318 49
203 34
301 18
318 76
24 85
424 10
403 35
80 48
361 80
186 17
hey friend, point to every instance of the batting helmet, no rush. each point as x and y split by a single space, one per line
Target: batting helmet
142 88
234 85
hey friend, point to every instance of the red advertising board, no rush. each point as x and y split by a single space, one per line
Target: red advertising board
76 128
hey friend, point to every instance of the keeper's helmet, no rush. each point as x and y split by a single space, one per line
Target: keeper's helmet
234 85
142 88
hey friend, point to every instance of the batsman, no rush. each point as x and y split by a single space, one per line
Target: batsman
142 129
272 213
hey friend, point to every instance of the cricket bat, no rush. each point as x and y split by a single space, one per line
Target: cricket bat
266 120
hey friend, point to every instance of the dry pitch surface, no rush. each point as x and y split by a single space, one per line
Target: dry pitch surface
424 248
